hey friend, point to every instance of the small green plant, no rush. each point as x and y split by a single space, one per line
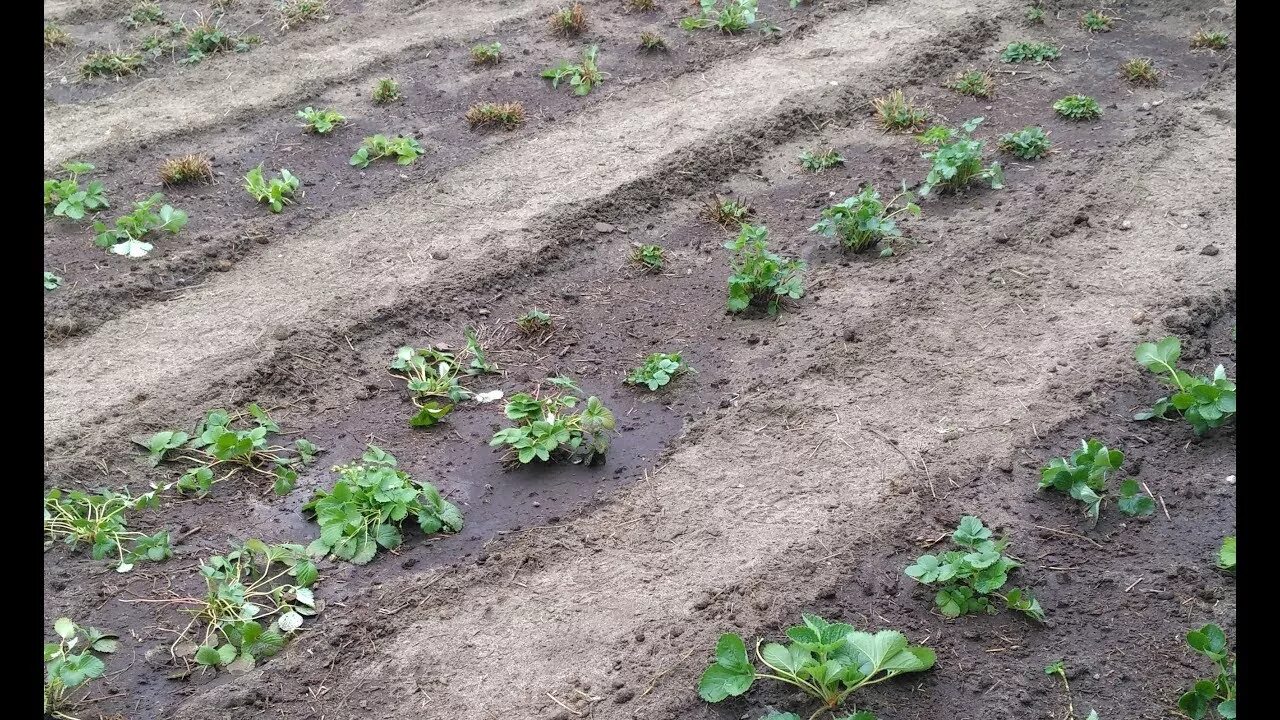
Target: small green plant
186 169
277 192
1227 553
1084 475
508 116
299 12
65 198
956 159
729 212
582 77
385 91
1133 502
126 238
1034 14
569 21
652 42
827 661
368 504
159 42
1059 668
1078 107
205 38
486 54
658 370
1096 21
56 37
759 276
71 662
974 83
107 63
1029 143
320 122
863 220
1218 692
534 322
546 427
430 375
480 364
404 149
143 13
965 577
896 114
51 281
641 5
824 160
1037 52
1211 39
1203 402
734 16
1140 71
99 521
649 257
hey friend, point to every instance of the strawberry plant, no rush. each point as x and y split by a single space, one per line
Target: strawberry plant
730 213
863 220
114 64
65 197
299 12
973 83
1034 14
1212 39
1084 475
1029 143
827 661
99 521
51 281
367 506
143 13
490 54
965 577
569 21
534 322
321 122
759 276
1218 692
652 42
824 160
277 192
734 16
1078 107
186 169
896 114
508 116
1096 21
956 159
385 91
547 428
1227 553
1140 71
56 37
1037 52
582 77
1203 402
404 149
649 257
71 662
126 238
480 365
429 374
658 370
204 39
1132 501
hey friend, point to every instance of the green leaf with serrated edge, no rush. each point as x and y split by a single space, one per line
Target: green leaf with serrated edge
789 658
226 653
1227 553
208 655
720 682
873 651
65 628
289 622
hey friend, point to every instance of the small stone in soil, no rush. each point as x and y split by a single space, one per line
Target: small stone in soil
1209 249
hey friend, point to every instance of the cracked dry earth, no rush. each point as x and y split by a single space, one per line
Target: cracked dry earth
809 459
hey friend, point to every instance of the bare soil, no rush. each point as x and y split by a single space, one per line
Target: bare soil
809 459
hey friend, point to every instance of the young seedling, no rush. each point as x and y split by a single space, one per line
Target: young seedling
956 160
490 54
1211 39
649 257
1034 14
385 91
143 13
734 16
569 21
299 12
404 149
369 503
1037 52
1203 402
760 277
480 364
1097 21
1133 501
114 64
159 42
658 370
99 521
1059 668
320 122
652 42
1084 475
863 221
546 428
824 160
56 37
895 114
186 169
206 38
534 322
431 375
71 662
51 281
1218 692
508 116
66 199
729 212
641 5
126 238
1078 107
582 77
1227 553
1140 71
965 577
277 192
1029 143
827 661
974 83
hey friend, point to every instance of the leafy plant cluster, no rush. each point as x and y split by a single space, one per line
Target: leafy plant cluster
729 212
658 370
1029 143
367 506
973 83
956 159
729 16
1034 14
862 221
404 149
276 192
56 37
1037 52
1084 475
65 198
583 77
71 662
143 13
1205 403
652 42
966 577
110 64
100 521
548 428
895 113
570 20
1140 71
299 12
1212 39
534 322
1078 107
186 169
509 115
825 160
1219 692
1097 21
126 238
760 276
432 376
386 90
649 257
486 54
321 122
